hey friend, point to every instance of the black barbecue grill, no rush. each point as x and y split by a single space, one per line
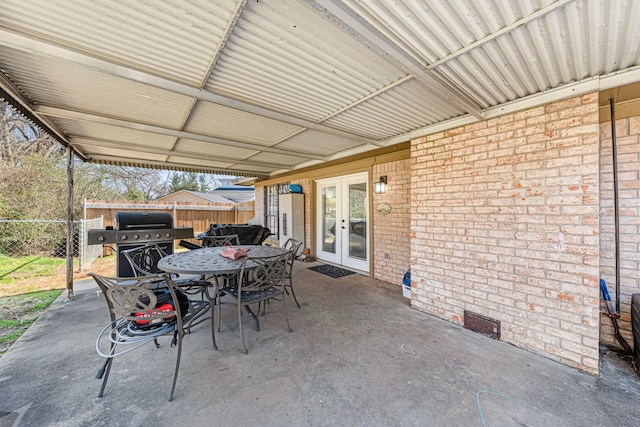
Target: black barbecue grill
135 229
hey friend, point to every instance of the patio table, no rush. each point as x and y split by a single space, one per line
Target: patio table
207 262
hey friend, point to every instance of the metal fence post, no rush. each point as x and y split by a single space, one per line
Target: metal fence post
69 224
82 232
82 237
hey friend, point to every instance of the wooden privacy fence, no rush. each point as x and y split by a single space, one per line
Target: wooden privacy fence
185 214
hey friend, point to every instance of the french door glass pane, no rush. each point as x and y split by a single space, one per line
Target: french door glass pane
329 219
358 221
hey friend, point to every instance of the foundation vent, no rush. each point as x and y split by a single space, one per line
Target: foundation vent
482 324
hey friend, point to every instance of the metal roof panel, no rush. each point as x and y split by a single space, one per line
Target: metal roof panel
317 143
70 86
288 162
208 149
284 55
96 151
386 115
282 78
175 40
216 120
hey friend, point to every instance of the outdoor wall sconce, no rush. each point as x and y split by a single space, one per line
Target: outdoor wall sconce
381 186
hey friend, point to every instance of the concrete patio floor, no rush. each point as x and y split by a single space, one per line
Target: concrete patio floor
357 356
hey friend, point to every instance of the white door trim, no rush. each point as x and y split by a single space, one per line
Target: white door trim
334 237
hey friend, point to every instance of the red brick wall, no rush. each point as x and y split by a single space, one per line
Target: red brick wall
505 224
628 155
391 232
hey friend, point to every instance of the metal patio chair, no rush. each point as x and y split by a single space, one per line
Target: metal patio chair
293 246
144 259
144 262
259 279
215 241
141 313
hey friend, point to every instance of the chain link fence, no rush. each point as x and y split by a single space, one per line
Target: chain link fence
21 238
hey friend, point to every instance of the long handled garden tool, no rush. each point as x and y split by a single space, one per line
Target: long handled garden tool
613 311
614 316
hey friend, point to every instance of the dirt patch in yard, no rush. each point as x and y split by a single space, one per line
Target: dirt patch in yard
26 296
105 266
21 282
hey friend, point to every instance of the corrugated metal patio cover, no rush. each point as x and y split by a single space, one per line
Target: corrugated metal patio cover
256 88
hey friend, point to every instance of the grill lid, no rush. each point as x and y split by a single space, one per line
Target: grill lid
143 220
140 227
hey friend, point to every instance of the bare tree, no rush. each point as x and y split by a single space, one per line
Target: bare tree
33 177
20 138
138 183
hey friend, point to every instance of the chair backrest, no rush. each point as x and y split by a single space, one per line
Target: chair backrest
136 298
264 272
292 245
215 241
144 259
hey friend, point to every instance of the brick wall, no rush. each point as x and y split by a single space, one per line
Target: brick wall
505 224
628 155
391 232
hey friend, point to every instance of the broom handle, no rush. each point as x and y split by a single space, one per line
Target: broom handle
616 208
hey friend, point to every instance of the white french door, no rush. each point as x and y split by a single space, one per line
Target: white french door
343 219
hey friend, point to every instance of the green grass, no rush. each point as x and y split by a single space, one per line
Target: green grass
28 285
15 323
26 274
36 301
15 327
18 312
33 265
12 337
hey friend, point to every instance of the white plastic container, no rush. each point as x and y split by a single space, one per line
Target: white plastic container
406 291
